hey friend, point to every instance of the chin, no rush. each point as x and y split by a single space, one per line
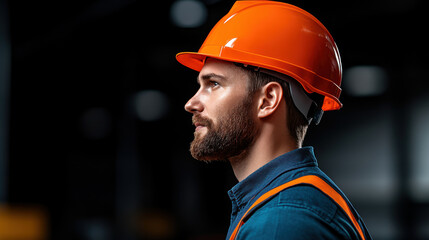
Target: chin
208 159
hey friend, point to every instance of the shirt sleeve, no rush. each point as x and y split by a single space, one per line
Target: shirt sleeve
291 223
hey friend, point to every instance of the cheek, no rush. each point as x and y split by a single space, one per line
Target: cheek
221 103
217 103
240 110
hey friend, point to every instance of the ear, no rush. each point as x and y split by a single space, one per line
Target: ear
270 97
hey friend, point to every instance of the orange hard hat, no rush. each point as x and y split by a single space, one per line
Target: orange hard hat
279 37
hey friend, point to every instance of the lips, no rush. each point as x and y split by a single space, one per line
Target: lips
200 122
199 128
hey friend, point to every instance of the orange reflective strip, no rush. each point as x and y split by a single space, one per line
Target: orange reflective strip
311 180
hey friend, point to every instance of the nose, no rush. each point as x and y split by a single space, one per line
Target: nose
194 105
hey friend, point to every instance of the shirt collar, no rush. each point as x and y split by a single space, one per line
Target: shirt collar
247 189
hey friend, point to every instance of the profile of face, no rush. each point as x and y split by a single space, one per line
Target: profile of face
223 113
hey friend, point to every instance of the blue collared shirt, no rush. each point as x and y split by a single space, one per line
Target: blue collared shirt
300 212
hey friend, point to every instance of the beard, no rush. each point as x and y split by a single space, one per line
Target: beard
231 137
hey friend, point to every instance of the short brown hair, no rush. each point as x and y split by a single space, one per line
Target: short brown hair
296 122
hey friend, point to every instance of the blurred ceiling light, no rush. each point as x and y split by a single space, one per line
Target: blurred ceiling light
151 105
365 81
188 13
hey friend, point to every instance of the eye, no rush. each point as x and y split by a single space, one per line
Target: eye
214 83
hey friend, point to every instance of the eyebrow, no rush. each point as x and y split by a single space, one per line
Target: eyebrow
209 76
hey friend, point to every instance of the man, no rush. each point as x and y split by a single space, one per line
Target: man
267 71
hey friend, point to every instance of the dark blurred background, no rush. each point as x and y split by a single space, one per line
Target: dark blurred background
94 139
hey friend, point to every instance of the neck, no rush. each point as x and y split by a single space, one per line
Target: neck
269 144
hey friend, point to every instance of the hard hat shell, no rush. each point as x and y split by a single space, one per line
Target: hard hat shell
279 37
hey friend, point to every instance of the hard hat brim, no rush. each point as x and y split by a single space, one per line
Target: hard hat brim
191 60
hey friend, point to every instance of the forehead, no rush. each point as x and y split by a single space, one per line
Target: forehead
227 70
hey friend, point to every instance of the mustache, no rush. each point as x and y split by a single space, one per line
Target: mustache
202 120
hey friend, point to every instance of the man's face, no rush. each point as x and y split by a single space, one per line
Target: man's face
223 113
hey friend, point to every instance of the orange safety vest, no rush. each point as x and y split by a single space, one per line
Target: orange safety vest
311 180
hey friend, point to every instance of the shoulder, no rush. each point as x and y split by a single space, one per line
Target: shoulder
300 212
